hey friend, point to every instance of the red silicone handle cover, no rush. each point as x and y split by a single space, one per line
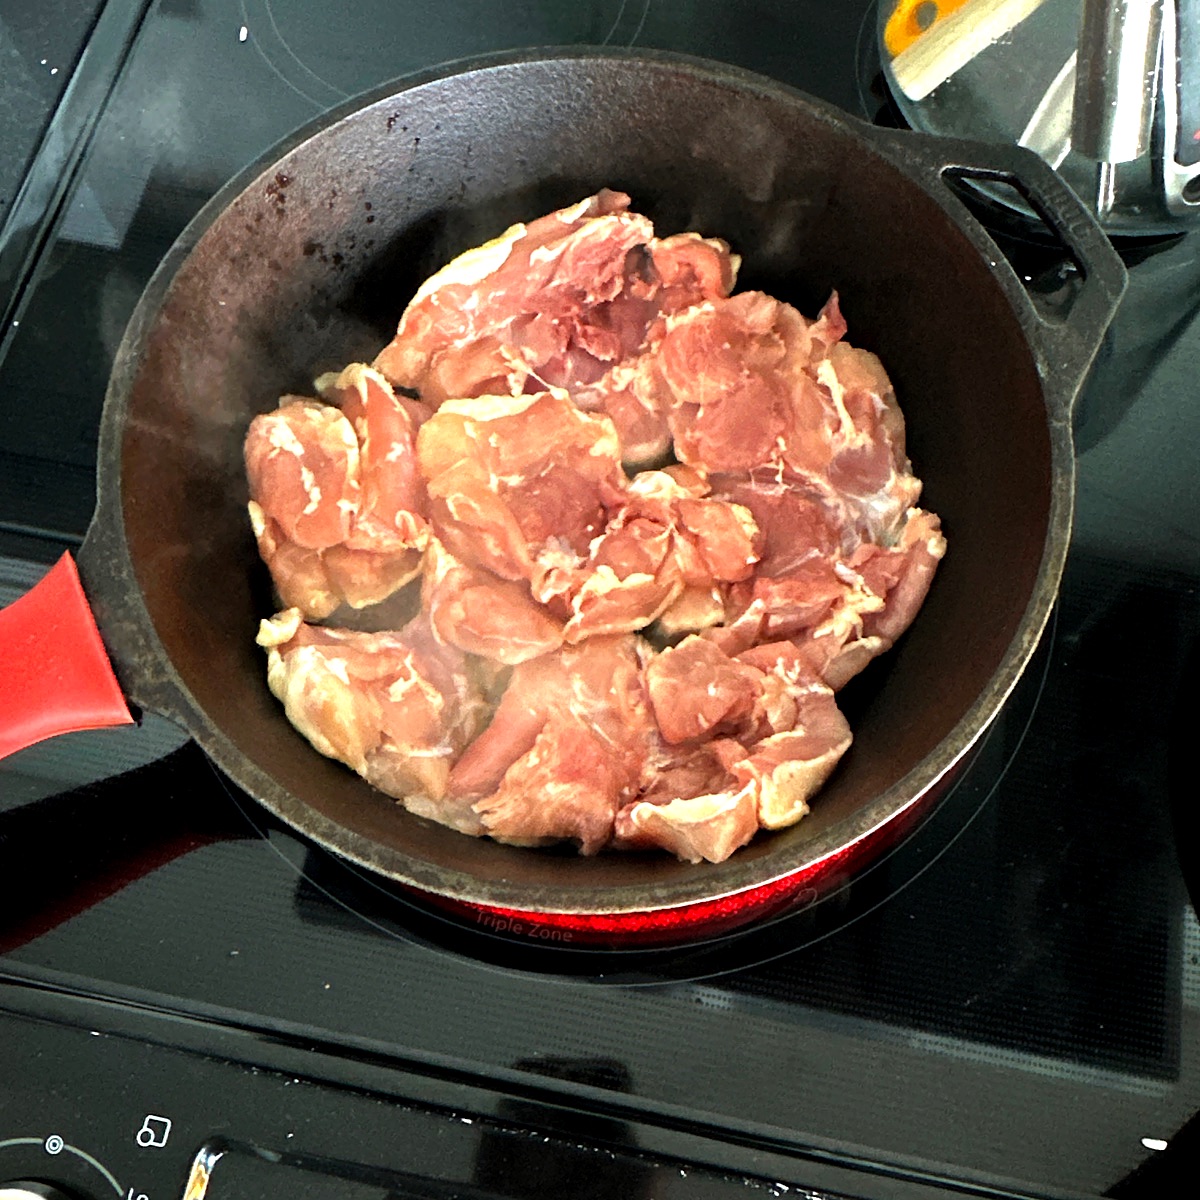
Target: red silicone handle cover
55 676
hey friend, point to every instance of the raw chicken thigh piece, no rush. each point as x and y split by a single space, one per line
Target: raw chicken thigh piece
731 376
302 463
567 786
318 581
664 544
510 478
497 313
705 828
483 614
568 301
796 584
398 708
902 574
750 384
565 748
299 573
624 585
803 735
391 513
697 692
337 506
839 598
778 736
869 462
681 271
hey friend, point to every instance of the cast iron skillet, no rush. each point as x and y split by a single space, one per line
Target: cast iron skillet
306 264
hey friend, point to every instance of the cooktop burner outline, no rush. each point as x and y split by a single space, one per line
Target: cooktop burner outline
405 917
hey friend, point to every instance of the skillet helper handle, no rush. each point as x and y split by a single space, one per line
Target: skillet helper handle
1064 347
56 676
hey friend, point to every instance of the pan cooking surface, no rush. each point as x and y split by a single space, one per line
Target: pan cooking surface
206 350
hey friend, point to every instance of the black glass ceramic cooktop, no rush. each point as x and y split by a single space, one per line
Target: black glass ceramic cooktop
1009 1002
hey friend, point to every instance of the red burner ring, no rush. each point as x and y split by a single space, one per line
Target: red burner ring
704 918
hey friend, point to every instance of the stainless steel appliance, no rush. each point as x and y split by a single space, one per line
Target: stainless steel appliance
1107 91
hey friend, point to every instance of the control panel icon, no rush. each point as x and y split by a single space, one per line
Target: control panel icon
154 1131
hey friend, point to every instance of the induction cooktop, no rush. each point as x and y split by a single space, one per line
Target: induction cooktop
193 1000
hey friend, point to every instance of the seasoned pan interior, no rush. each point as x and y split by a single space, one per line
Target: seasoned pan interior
311 266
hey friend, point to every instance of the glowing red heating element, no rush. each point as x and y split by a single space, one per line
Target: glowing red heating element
702 918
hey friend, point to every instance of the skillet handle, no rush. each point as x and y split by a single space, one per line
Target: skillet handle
1066 347
56 677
